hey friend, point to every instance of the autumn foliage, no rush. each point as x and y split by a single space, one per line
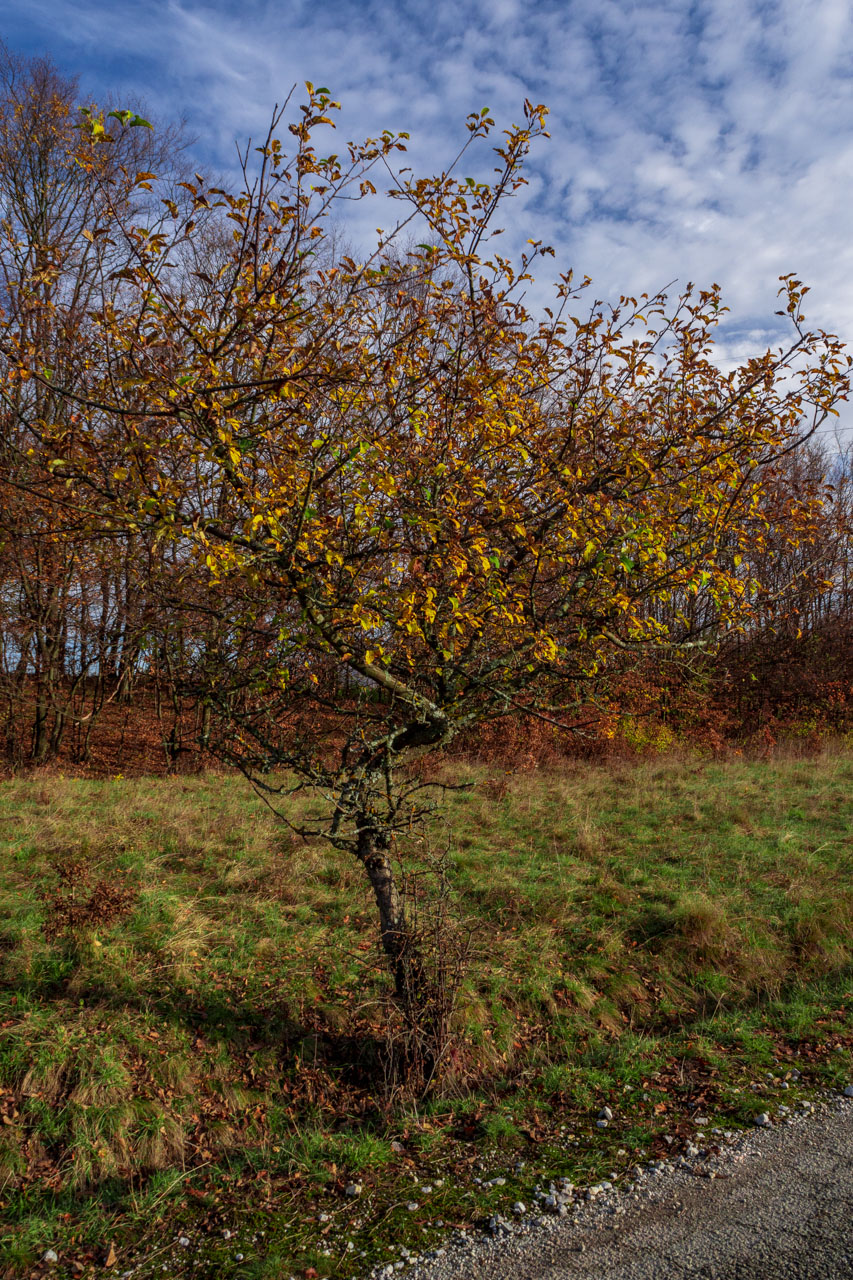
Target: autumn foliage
354 507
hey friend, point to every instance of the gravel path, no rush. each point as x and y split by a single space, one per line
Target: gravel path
773 1204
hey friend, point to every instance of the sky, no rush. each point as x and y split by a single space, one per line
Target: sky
691 140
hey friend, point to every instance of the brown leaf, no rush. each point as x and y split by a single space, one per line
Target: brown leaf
111 1257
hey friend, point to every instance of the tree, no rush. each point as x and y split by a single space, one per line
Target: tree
68 591
400 503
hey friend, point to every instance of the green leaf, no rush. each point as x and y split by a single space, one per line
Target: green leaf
129 119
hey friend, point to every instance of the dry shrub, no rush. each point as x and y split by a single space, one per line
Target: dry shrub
422 1051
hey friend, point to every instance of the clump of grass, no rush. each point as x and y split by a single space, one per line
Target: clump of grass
646 936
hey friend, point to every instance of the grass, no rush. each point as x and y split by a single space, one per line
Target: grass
672 937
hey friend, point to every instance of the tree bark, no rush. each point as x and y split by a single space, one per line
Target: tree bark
372 852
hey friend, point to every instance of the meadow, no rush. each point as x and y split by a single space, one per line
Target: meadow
195 1035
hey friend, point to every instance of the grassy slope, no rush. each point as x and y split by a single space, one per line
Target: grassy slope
656 936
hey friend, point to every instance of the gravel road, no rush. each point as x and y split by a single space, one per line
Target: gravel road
774 1204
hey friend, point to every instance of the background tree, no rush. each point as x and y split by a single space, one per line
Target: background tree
399 502
73 614
794 664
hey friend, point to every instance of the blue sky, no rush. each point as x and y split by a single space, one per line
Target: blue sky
707 140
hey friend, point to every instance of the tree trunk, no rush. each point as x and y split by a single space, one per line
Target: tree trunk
420 1049
372 852
40 736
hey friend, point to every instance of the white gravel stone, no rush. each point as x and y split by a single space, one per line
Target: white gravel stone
50 1256
353 1189
762 1120
598 1207
848 1092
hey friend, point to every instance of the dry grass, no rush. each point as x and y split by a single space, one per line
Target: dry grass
229 1020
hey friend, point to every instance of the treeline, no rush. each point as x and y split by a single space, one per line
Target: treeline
93 648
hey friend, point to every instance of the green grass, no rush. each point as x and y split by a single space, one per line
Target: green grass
669 937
